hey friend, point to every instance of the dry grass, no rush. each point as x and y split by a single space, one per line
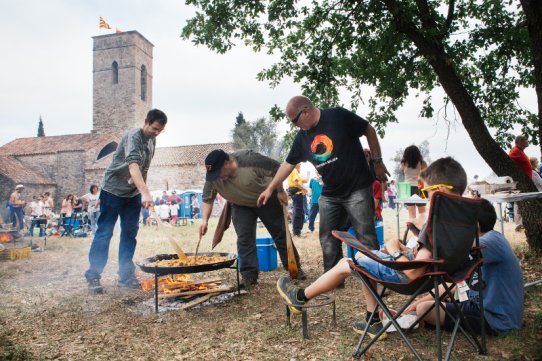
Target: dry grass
46 312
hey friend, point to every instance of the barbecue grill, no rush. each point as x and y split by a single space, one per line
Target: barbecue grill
163 270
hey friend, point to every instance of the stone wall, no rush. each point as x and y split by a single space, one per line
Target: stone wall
180 177
42 163
118 106
70 174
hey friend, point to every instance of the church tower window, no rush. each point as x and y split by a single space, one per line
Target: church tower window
115 68
143 82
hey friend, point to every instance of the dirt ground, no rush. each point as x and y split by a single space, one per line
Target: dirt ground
47 313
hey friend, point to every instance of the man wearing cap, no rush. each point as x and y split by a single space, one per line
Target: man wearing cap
240 177
17 207
329 139
124 192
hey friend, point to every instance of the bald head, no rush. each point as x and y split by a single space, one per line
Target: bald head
302 112
297 103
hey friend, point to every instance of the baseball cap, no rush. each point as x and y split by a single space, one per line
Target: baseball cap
213 163
19 186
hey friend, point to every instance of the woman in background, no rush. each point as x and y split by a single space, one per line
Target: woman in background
411 166
67 207
93 200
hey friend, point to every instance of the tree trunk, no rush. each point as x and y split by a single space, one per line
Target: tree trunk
482 140
533 12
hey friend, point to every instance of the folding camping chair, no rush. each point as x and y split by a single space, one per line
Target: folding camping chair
451 229
71 224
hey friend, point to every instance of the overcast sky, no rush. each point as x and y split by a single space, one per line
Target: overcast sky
47 69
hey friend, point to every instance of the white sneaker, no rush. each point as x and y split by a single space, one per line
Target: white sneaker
404 322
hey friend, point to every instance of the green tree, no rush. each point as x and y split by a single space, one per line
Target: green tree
259 135
240 119
41 131
478 52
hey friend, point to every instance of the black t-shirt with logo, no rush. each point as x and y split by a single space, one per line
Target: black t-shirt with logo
334 148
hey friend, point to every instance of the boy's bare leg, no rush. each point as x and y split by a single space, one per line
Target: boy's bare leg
431 316
329 280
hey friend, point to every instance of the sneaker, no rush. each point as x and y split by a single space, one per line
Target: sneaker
247 283
288 292
131 282
95 287
359 327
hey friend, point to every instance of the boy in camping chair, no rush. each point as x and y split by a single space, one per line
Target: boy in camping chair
445 175
503 292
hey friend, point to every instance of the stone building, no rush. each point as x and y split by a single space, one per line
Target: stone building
122 96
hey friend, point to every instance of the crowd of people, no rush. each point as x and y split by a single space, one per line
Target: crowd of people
40 212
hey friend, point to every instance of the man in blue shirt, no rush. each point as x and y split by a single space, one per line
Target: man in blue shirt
315 185
503 293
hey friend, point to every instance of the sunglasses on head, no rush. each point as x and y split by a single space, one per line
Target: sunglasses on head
423 191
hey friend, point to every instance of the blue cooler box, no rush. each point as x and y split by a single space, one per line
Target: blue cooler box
379 227
267 254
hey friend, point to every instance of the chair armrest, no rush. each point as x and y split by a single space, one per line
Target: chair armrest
397 265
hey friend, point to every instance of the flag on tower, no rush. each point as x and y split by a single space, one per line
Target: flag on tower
104 24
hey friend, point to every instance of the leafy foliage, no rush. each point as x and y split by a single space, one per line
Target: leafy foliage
259 135
332 45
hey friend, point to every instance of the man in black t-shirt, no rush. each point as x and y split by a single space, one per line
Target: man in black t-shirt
329 139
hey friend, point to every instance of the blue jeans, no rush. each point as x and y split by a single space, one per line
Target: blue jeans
299 213
378 270
391 202
312 215
93 217
17 217
111 208
335 214
144 215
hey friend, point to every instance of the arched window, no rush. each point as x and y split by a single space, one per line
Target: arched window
115 68
107 149
143 82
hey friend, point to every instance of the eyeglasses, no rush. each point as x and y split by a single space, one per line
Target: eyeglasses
296 118
423 191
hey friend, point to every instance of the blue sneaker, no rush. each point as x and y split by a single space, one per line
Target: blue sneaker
288 292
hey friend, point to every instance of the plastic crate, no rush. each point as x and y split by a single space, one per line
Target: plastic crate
12 254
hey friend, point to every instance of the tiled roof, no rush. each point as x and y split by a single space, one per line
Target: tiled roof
168 156
187 154
54 144
20 173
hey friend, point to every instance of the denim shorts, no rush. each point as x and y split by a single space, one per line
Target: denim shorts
378 270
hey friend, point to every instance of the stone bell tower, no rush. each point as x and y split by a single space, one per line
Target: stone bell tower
122 82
